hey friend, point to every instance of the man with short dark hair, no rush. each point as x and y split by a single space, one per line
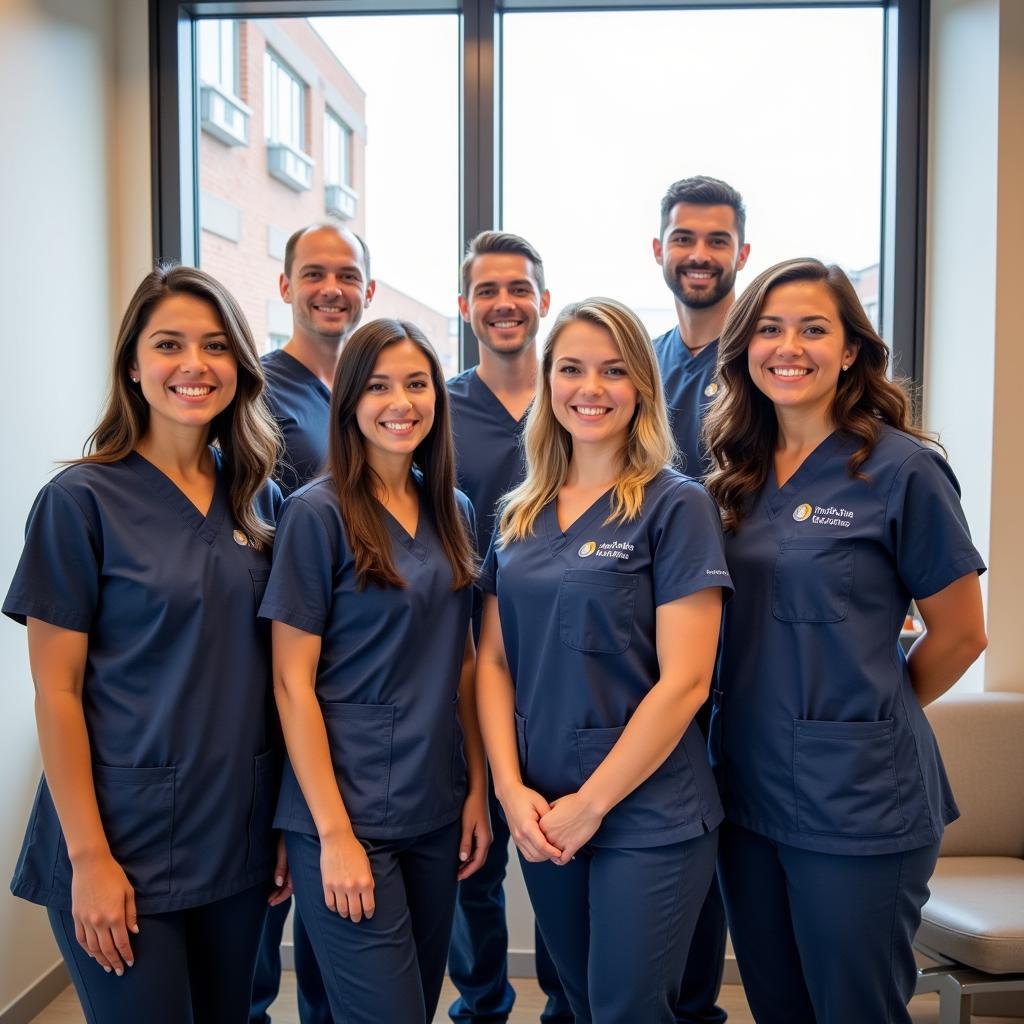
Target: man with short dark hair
503 298
700 249
326 280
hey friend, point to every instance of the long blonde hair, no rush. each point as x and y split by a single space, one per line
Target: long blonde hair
649 447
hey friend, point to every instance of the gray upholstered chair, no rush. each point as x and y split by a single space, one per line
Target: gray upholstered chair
973 925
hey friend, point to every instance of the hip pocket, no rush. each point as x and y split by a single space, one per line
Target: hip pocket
813 580
137 810
360 737
266 782
844 775
656 804
595 610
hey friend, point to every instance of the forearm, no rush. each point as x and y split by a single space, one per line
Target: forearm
473 744
309 751
651 734
67 763
497 723
937 661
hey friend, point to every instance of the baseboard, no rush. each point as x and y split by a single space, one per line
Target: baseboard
37 996
520 965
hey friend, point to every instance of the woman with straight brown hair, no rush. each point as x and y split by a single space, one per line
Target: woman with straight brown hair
150 842
837 513
370 597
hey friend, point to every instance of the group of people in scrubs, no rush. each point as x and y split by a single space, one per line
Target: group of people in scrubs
325 623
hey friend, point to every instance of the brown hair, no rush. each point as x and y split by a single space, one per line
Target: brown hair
741 429
704 191
354 478
488 242
245 431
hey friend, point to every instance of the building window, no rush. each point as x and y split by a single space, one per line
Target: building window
339 198
284 120
221 111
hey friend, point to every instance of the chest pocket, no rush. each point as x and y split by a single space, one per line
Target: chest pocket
259 583
595 610
813 580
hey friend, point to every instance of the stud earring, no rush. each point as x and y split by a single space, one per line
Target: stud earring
135 380
846 366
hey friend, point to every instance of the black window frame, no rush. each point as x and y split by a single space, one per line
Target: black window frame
174 109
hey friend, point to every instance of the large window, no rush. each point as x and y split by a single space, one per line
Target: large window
565 122
218 54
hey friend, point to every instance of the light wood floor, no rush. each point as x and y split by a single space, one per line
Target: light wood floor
64 1010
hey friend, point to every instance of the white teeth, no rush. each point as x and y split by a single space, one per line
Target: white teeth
328 309
789 371
700 275
590 410
398 428
506 324
192 392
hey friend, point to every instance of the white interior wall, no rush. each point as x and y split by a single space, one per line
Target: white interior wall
74 123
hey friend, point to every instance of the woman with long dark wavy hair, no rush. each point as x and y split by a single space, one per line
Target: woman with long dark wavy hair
370 597
150 842
838 512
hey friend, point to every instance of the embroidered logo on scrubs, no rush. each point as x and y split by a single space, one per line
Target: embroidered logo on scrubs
240 538
801 512
712 389
587 549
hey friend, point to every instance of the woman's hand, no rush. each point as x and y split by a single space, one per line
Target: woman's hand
524 809
570 824
283 887
476 834
347 878
103 908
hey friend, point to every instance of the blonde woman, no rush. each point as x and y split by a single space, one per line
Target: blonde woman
604 586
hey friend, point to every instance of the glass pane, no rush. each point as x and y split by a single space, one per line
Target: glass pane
785 105
402 185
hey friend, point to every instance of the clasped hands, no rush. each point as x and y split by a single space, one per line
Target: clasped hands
549 831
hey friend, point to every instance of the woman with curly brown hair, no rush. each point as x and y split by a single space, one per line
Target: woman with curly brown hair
837 512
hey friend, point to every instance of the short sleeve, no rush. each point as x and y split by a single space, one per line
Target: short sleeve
930 538
58 576
488 579
688 553
301 585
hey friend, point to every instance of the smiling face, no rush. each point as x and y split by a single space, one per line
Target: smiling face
327 288
396 410
700 253
505 304
184 364
592 396
799 348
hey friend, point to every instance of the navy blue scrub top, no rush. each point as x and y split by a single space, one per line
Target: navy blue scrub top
577 614
818 738
389 670
690 386
177 688
489 457
300 402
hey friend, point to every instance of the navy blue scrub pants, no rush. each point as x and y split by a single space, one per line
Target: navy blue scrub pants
823 938
618 924
191 966
312 998
478 954
389 967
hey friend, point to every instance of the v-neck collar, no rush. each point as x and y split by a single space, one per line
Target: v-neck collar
559 538
485 395
777 497
690 364
208 526
299 371
414 545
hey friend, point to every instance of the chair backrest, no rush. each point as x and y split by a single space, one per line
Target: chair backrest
981 738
